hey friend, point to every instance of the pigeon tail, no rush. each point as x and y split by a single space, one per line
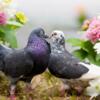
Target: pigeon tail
93 73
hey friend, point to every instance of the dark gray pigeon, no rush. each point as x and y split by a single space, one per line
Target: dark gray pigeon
23 64
64 65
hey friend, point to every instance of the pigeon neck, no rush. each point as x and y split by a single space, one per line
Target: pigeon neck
37 46
57 46
35 41
32 37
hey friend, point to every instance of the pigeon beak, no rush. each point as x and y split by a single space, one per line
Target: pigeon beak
50 37
46 36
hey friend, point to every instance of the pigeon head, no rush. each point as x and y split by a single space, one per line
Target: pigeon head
38 32
36 35
58 37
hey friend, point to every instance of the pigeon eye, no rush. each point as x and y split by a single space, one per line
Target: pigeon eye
55 34
42 33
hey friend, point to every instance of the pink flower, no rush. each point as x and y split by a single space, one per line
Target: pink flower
3 18
95 22
93 31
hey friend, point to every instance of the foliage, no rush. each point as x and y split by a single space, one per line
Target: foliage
89 47
10 21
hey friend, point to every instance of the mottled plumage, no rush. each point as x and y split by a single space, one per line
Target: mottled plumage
64 65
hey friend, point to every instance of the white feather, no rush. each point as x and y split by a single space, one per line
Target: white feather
59 35
5 46
93 73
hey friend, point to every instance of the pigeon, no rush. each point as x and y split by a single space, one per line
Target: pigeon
64 65
23 64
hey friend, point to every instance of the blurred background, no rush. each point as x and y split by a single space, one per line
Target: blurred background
66 15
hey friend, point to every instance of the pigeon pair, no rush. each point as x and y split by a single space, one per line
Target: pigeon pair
38 54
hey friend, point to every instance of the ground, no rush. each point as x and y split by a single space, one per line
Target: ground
45 87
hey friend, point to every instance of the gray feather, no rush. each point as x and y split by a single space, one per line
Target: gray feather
62 64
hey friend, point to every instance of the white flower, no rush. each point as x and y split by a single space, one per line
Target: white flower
94 89
97 47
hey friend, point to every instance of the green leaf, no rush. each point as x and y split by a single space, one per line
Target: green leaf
11 38
75 42
80 53
97 63
87 46
8 35
98 57
93 60
1 35
86 50
15 23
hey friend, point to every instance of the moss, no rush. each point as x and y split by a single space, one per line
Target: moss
45 87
